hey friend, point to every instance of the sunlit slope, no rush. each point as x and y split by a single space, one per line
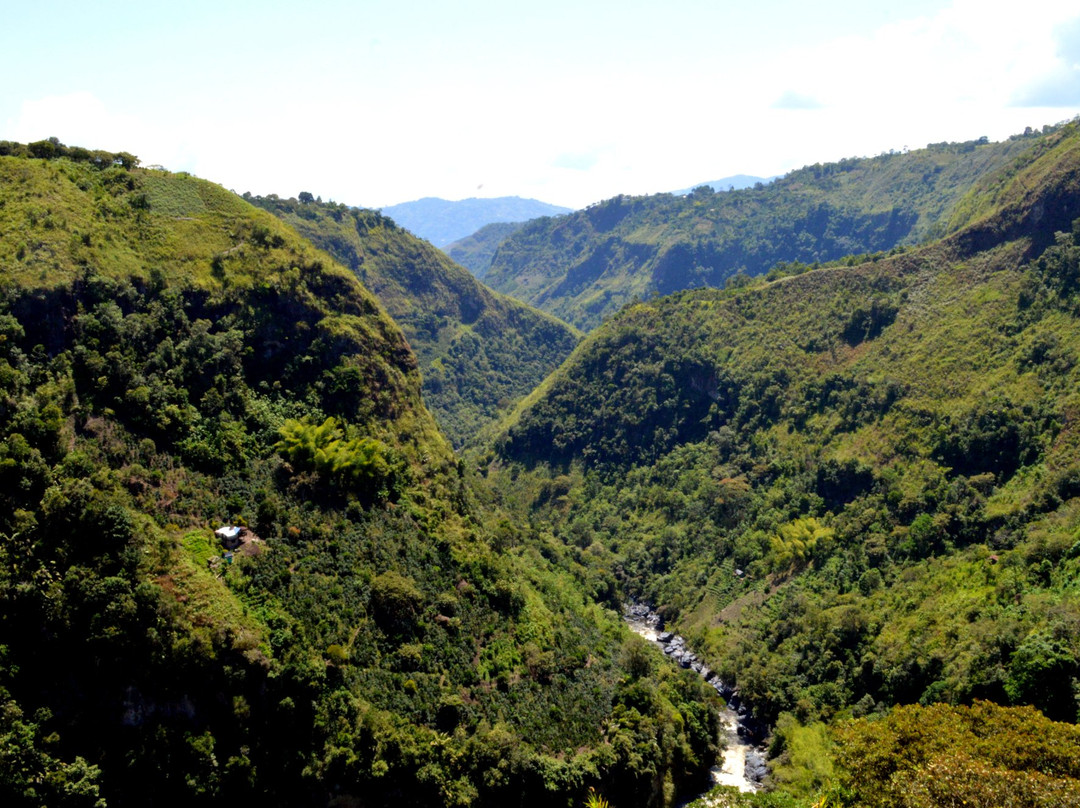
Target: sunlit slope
583 266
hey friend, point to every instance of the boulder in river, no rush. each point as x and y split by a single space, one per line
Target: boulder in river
747 731
756 770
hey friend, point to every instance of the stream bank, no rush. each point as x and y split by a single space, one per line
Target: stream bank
743 765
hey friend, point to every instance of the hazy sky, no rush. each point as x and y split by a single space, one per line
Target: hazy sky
568 101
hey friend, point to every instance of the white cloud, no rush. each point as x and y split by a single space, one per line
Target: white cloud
577 132
1060 86
793 100
947 76
77 118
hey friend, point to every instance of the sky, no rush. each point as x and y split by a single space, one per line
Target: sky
566 101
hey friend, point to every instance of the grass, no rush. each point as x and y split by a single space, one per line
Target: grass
201 546
173 195
209 607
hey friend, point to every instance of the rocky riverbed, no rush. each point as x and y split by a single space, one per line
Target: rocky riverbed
744 758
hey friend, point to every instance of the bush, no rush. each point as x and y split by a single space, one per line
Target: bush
396 603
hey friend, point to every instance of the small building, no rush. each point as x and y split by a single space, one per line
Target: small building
230 536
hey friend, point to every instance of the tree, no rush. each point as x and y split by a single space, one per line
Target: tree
1041 673
794 545
46 149
125 159
395 602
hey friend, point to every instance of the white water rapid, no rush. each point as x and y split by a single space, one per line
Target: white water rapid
732 771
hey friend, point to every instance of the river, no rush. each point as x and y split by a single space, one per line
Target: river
743 764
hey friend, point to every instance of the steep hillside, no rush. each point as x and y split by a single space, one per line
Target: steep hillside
849 488
442 221
173 360
586 265
476 251
480 352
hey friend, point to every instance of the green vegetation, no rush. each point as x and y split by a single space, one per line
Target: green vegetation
849 487
363 466
479 352
981 756
476 251
584 266
173 359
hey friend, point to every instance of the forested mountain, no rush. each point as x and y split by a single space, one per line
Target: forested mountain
173 360
479 351
476 251
852 487
584 266
442 221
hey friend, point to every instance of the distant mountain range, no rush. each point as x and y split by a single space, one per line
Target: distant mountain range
736 182
442 221
476 250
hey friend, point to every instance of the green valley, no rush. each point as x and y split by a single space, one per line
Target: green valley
240 559
742 473
850 488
